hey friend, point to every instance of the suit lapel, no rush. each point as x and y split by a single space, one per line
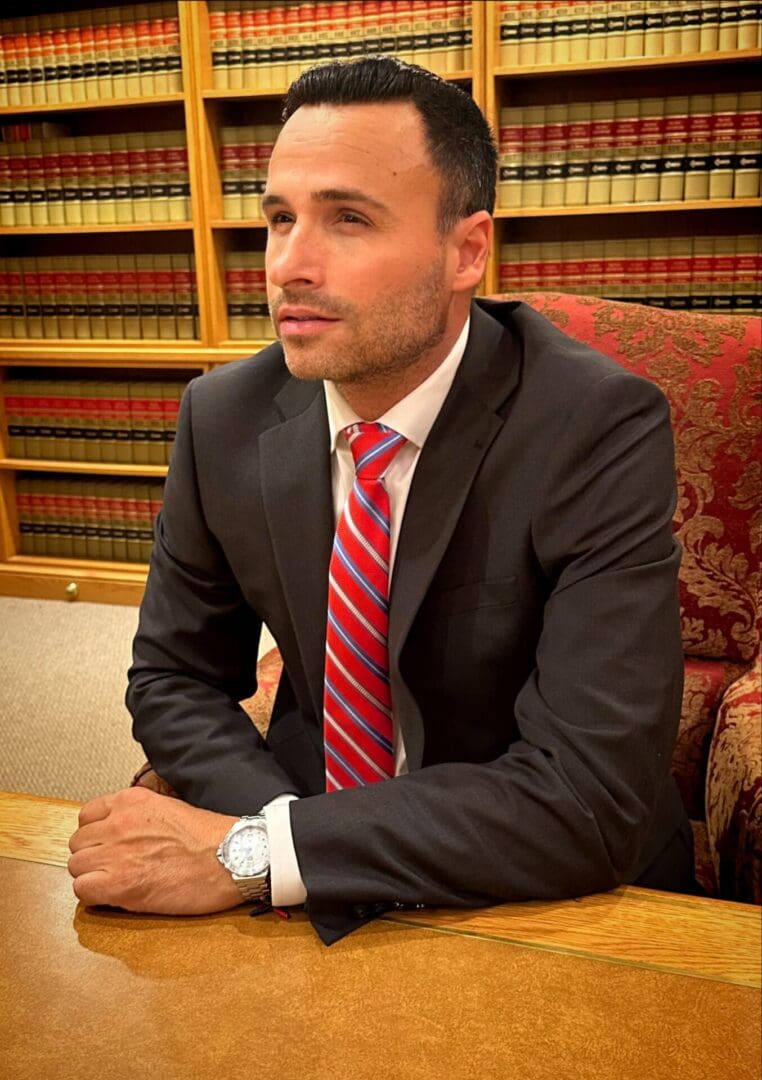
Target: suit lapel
296 488
464 429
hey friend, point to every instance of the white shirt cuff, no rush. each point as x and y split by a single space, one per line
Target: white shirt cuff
286 885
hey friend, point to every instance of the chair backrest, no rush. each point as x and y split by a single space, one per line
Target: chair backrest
709 368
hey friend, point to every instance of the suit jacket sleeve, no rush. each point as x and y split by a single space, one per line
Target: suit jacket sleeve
567 810
194 658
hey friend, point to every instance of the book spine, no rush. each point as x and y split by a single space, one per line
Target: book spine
672 179
626 138
165 297
601 152
690 29
649 159
722 161
510 187
748 156
171 29
229 174
699 148
556 142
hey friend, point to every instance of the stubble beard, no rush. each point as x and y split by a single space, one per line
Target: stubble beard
384 341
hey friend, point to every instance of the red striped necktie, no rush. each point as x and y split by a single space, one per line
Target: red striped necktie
357 704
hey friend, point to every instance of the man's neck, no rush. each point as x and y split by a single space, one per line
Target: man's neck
371 398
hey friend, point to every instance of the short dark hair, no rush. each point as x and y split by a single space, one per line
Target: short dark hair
459 139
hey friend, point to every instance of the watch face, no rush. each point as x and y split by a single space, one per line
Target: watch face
246 852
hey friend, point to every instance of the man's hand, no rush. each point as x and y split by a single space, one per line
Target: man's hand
144 852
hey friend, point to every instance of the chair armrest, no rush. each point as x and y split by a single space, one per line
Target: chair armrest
734 789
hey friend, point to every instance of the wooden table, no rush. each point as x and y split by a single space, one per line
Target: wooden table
626 984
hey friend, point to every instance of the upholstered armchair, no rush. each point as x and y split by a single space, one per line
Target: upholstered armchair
709 368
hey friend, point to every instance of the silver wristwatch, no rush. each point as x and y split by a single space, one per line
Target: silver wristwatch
245 853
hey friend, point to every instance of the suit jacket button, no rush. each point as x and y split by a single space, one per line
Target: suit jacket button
361 911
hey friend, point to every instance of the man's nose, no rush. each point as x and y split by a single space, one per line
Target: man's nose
295 258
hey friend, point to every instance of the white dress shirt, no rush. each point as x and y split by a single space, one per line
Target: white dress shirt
414 418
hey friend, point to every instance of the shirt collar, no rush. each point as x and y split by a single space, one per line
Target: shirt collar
415 414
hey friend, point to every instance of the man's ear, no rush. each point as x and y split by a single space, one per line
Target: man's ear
472 239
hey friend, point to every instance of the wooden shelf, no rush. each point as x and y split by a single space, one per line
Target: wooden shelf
629 208
16 354
242 223
93 468
83 230
99 103
588 67
242 93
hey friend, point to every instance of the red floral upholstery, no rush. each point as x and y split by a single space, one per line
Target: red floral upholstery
709 368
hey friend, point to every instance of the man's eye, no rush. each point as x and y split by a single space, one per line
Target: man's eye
278 219
350 218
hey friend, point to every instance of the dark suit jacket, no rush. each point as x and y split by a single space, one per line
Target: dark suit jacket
535 652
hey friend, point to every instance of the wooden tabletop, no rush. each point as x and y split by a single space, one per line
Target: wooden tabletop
630 983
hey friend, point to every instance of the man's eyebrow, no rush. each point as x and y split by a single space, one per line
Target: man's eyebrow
330 195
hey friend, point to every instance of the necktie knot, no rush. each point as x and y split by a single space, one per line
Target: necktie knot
373 447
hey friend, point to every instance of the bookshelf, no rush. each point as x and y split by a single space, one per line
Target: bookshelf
224 231
544 90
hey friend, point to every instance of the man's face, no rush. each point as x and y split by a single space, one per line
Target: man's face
358 276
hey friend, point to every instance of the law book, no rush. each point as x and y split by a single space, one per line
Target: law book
35 172
218 44
147 292
154 420
34 51
637 269
251 177
601 153
727 37
649 158
48 299
92 419
103 512
17 163
86 28
510 181
178 176
165 296
355 23
293 64
104 87
634 28
403 16
16 298
690 29
556 142
75 420
279 47
139 425
626 137
56 393
119 441
561 29
746 275
749 16
748 155
75 48
23 62
63 296
25 514
527 33
105 203
79 301
702 265
11 64
173 56
235 290
616 25
96 296
143 43
77 519
53 181
421 43
544 18
722 161
653 27
7 212
709 28
183 285
115 32
157 48
32 298
723 274
672 30
155 498
145 519
15 399
699 147
256 312
230 177
679 271
130 54
172 393
581 16
131 516
88 182
114 506
675 140
156 174
234 46
533 156
253 20
137 163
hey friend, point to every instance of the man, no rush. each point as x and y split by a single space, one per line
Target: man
527 665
